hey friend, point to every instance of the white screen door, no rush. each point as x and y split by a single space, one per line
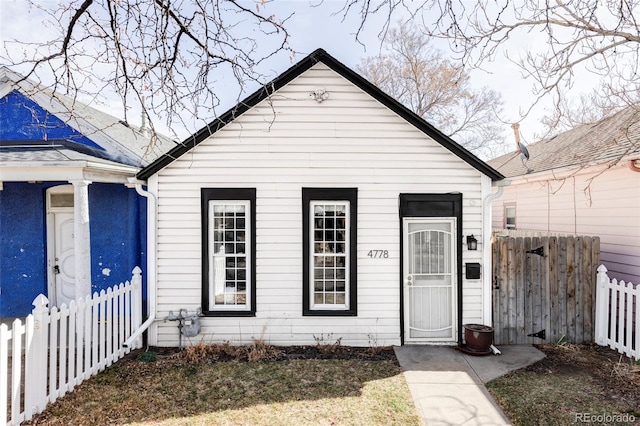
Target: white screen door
429 267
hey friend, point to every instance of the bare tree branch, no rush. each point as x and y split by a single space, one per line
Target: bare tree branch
173 53
422 79
600 37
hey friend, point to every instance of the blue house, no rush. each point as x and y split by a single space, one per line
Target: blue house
72 214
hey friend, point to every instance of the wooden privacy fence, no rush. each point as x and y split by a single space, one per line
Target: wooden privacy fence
544 288
617 315
56 349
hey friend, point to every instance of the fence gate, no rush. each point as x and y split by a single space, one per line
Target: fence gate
544 288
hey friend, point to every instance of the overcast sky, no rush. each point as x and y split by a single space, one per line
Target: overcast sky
319 27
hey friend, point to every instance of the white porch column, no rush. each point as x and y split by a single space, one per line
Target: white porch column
81 237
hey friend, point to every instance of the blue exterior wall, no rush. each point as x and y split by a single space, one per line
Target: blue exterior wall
118 240
22 246
22 119
118 226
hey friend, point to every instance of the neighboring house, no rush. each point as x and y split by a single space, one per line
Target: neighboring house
319 209
68 224
585 181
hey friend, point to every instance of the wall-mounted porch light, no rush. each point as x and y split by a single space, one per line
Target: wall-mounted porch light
472 243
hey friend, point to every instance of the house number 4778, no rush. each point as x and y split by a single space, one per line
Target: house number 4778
378 254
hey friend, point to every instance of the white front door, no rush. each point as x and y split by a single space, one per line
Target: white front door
429 265
61 252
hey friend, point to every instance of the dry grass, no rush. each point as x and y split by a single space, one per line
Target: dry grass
194 387
571 381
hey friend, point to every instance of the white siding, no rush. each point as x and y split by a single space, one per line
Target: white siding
597 203
349 140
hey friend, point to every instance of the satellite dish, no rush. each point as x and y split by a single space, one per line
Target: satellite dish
523 150
524 155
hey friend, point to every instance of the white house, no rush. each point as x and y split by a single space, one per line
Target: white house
319 209
585 181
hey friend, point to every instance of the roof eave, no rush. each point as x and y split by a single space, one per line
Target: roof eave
15 171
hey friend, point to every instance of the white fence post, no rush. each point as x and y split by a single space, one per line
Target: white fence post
618 315
86 347
4 372
602 305
37 348
136 304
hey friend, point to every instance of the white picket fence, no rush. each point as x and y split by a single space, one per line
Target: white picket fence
618 315
56 349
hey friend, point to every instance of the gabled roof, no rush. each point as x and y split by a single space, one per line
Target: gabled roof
268 89
42 114
611 139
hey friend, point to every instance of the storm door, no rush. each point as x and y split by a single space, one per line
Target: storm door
429 265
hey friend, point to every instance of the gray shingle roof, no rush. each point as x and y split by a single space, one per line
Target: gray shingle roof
609 140
123 143
47 154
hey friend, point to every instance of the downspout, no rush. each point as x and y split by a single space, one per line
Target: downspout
487 232
151 260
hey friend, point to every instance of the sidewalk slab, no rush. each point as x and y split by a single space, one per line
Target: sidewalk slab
447 386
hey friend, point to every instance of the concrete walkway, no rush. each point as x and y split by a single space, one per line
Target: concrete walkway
447 386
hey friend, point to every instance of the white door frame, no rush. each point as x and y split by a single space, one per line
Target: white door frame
52 210
407 283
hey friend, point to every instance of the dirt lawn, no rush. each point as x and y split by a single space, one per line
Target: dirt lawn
574 384
243 385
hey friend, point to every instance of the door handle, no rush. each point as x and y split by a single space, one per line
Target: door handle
409 280
56 269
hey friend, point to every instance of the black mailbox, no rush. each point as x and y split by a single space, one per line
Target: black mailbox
472 271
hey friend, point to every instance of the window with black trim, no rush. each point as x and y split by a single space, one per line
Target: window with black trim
228 251
329 251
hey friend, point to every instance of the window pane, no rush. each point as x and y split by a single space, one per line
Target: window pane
329 244
61 200
510 217
228 232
